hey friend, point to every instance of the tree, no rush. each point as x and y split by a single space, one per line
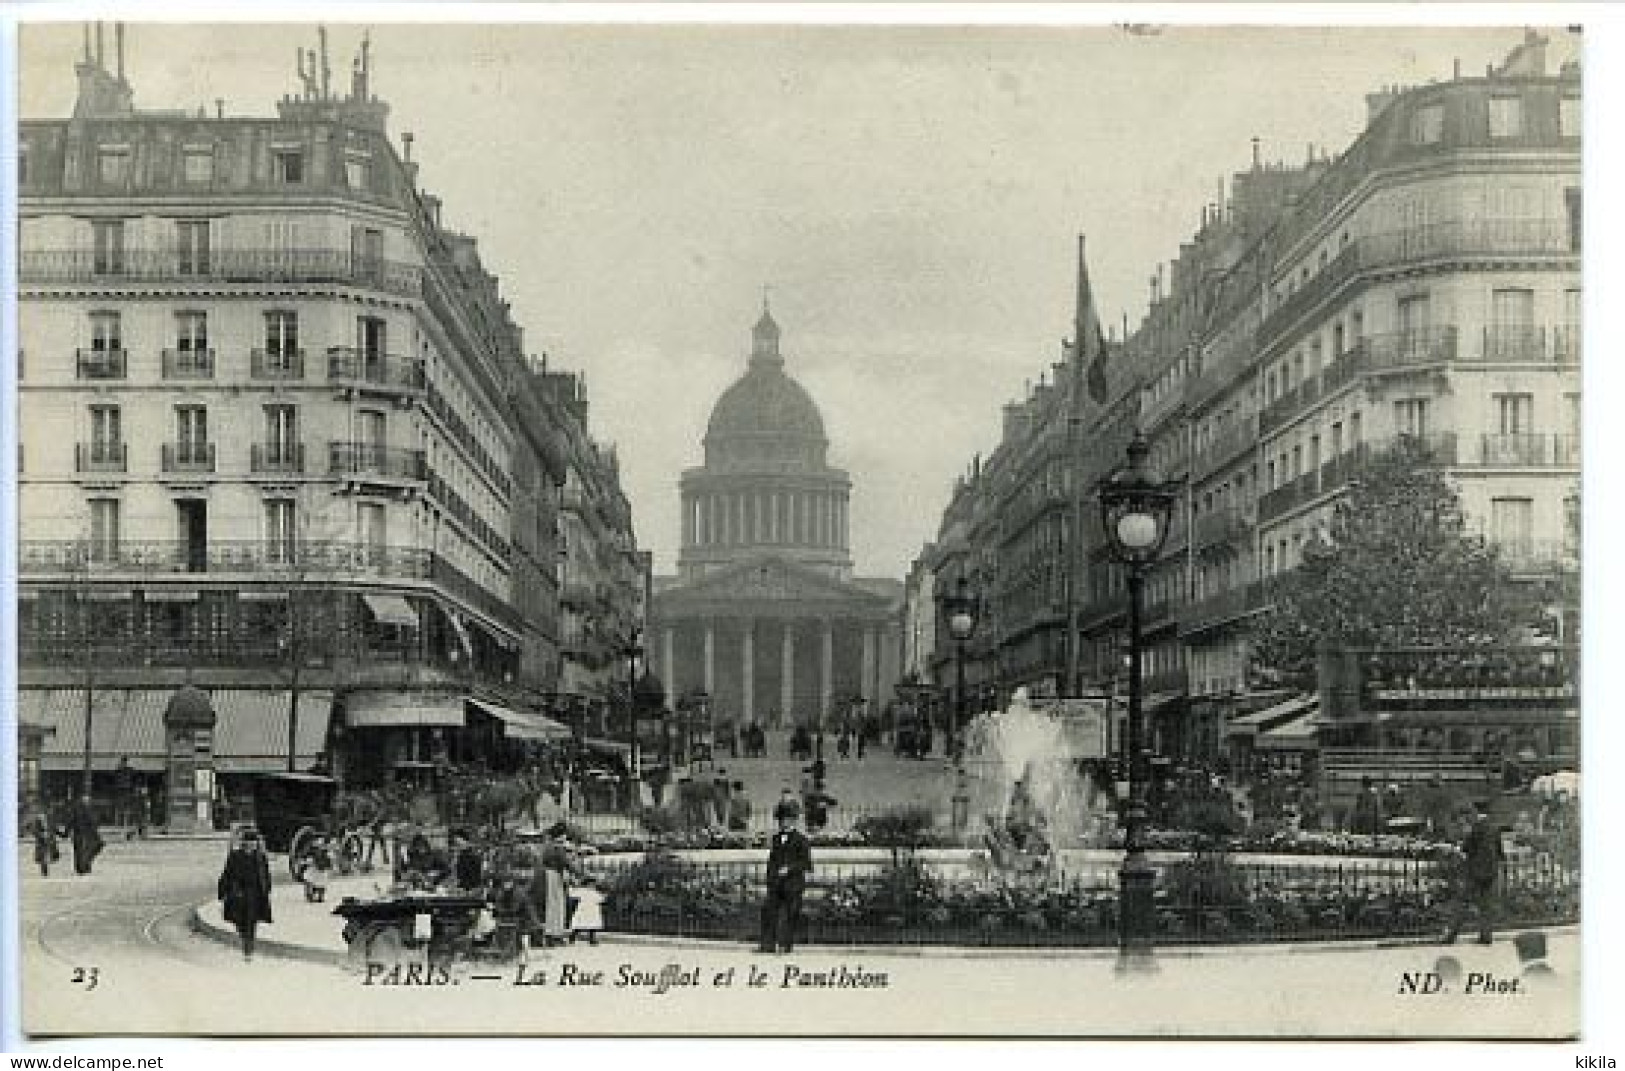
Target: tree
1397 568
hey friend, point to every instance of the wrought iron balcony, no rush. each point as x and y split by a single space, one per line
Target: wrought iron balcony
277 457
1222 607
1403 350
238 265
276 364
366 369
385 462
1517 451
189 364
330 560
103 364
188 457
1526 554
1228 524
101 457
1566 344
1515 344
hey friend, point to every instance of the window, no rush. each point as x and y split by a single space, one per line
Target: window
1571 198
106 434
1512 524
197 165
357 172
1297 462
370 338
1337 438
1314 451
104 529
1411 417
374 534
367 253
113 166
105 332
192 246
1354 431
1506 117
192 354
1415 320
288 165
281 531
191 434
281 338
22 165
1514 413
1568 117
281 433
107 236
1427 124
1356 326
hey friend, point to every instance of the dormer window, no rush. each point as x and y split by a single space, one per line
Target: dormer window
1427 124
1568 117
113 166
1506 117
197 165
288 166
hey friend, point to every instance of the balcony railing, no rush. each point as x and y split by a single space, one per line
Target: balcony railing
1223 448
367 459
1396 249
1517 451
188 364
1526 554
1418 348
1225 525
1222 607
39 558
245 265
276 364
101 457
277 457
103 364
188 457
1515 344
363 368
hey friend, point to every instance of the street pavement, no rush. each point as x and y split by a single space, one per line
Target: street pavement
130 924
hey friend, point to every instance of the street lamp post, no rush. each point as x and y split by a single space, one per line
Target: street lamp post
633 651
960 608
1134 510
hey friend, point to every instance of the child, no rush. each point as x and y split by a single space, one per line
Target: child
589 913
317 870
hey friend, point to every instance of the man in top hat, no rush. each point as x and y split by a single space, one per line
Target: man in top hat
789 859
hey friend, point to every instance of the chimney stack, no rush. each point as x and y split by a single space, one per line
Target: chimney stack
118 48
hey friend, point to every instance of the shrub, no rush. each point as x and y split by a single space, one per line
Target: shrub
904 827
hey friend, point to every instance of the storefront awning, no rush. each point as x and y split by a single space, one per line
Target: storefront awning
250 733
368 710
251 729
519 725
125 723
391 610
1299 734
1261 720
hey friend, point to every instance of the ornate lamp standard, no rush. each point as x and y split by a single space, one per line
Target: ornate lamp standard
960 609
633 651
1134 510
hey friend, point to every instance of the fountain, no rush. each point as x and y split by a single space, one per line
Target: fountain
1022 775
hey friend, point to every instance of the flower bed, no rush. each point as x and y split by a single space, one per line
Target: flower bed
1201 899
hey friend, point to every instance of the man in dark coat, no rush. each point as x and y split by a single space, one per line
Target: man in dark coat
44 834
789 859
1481 872
87 839
244 888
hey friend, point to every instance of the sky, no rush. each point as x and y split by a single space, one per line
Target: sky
910 195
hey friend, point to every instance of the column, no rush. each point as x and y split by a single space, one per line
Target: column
708 509
668 671
748 685
787 673
688 516
826 677
711 659
866 683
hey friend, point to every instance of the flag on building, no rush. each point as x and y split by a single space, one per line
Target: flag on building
1089 343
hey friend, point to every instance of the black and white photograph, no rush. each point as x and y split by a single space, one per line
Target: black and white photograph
773 528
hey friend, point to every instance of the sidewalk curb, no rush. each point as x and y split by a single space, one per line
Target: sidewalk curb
308 954
276 949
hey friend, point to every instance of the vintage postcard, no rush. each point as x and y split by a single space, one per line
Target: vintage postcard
789 528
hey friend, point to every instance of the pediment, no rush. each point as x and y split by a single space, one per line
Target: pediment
771 580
